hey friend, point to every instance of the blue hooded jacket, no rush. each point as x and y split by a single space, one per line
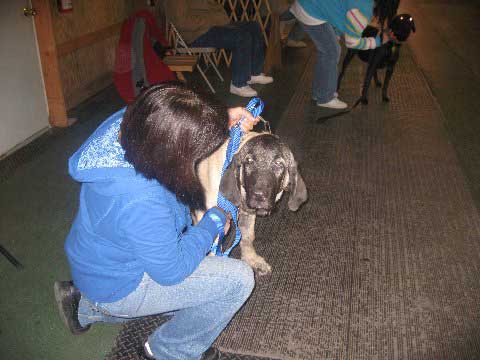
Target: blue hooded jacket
127 225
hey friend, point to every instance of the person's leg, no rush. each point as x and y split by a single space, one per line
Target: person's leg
204 303
90 313
231 37
257 52
328 55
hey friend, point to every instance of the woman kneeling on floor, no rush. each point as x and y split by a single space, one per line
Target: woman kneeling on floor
132 248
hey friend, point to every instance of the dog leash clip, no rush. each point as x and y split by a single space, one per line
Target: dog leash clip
266 124
255 107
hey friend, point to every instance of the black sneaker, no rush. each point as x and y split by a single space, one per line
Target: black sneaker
211 354
215 354
67 298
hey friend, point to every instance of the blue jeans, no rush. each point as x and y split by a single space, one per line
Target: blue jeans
245 40
202 306
328 56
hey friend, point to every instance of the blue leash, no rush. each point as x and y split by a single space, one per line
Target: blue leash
255 107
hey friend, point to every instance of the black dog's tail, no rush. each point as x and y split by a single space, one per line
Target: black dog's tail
322 119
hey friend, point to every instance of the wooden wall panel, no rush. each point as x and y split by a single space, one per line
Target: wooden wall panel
87 70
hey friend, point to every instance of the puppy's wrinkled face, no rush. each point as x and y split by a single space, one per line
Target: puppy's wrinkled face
262 173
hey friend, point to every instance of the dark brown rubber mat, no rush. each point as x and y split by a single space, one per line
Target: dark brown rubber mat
383 262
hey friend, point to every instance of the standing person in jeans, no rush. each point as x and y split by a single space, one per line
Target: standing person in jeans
204 23
325 21
132 248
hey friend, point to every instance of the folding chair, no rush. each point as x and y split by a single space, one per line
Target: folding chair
204 53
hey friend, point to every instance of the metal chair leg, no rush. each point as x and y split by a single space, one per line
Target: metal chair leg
209 59
205 78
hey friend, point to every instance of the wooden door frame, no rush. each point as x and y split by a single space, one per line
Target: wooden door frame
57 112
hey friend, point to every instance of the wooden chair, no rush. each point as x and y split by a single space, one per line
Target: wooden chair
205 54
180 64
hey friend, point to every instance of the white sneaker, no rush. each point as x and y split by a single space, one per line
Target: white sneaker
245 91
335 103
260 79
296 43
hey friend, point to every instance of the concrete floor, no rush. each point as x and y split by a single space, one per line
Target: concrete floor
38 200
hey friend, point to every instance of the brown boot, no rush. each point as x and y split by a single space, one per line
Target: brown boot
68 298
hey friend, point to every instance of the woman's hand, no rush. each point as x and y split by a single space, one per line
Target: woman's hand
236 114
228 217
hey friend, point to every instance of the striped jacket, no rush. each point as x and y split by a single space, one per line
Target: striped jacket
348 17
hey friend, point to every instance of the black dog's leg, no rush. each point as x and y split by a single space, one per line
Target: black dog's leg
374 61
368 78
378 83
348 58
388 76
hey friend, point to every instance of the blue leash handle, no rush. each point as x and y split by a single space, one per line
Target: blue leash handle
255 107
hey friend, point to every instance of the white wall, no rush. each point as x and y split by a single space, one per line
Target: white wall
23 109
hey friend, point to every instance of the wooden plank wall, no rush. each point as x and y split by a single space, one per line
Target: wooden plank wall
86 40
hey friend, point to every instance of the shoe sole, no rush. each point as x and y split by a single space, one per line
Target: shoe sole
59 296
259 83
332 107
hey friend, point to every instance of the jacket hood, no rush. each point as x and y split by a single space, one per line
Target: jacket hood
101 160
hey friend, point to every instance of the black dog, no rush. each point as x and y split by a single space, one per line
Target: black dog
383 56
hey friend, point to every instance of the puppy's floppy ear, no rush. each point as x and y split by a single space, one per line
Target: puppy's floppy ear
230 182
295 184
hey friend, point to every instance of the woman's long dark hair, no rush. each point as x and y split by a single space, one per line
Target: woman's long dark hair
167 131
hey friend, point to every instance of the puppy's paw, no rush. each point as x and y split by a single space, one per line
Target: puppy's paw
259 265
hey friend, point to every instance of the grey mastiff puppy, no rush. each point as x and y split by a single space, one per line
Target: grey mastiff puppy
261 171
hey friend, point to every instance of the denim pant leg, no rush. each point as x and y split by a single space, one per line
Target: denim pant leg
242 40
258 44
328 55
202 305
90 312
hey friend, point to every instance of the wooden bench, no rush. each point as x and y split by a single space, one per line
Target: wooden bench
180 63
